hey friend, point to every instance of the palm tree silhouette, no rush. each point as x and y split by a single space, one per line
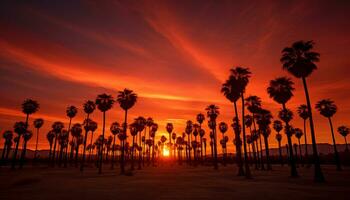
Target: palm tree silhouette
76 133
298 134
263 119
223 128
173 136
26 137
38 123
20 128
50 137
56 128
299 60
200 119
115 130
253 104
344 131
8 136
92 126
149 123
154 129
89 107
277 125
71 112
327 108
169 128
281 91
141 124
195 143
63 142
248 122
304 114
212 114
104 102
126 99
133 131
188 131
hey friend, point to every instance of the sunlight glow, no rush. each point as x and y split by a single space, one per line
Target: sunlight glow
166 152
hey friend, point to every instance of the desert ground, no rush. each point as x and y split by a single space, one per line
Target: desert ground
170 181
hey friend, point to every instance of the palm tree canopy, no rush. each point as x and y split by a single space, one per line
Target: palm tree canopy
57 127
248 120
20 128
230 89
303 112
242 75
149 122
223 127
115 128
141 123
27 135
92 126
326 107
201 133
50 136
169 127
7 135
289 130
133 129
299 59
200 118
277 125
285 115
38 123
281 89
253 104
343 130
76 130
278 137
212 111
89 107
126 99
30 106
71 111
298 133
263 119
104 102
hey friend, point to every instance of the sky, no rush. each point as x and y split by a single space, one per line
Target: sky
174 54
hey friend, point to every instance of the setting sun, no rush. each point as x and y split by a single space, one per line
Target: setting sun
166 152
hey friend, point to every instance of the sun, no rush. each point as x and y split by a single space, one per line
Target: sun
166 152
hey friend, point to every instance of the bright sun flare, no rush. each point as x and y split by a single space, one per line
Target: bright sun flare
166 152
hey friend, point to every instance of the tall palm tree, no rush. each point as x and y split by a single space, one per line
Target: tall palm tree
133 131
20 128
277 125
8 136
126 99
212 114
141 124
38 123
263 119
248 123
231 89
104 102
173 136
92 127
56 128
223 128
50 137
76 133
26 137
243 74
200 119
115 130
281 91
29 107
299 60
303 113
253 104
195 143
298 134
344 131
149 123
71 112
188 131
89 107
63 142
153 132
169 128
327 108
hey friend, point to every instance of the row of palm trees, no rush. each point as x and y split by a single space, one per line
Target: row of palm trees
298 59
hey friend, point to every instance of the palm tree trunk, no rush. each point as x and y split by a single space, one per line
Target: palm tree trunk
101 147
318 176
90 150
3 154
293 168
189 149
254 155
300 154
23 156
336 155
247 169
140 151
54 151
36 144
122 169
50 152
17 144
280 152
346 144
112 160
132 153
261 153
305 138
66 154
84 148
267 153
238 145
215 150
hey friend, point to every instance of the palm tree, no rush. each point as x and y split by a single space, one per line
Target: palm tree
169 128
253 104
38 123
281 91
212 114
298 134
89 107
141 124
20 128
133 131
7 135
231 89
104 103
299 60
92 127
26 137
327 108
149 123
173 136
188 131
344 131
195 143
76 133
56 128
126 99
277 125
200 119
63 142
50 137
71 112
29 107
154 129
223 128
304 114
263 119
115 130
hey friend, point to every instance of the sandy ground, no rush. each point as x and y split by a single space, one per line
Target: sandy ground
170 182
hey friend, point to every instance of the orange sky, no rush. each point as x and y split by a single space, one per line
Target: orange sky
173 54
